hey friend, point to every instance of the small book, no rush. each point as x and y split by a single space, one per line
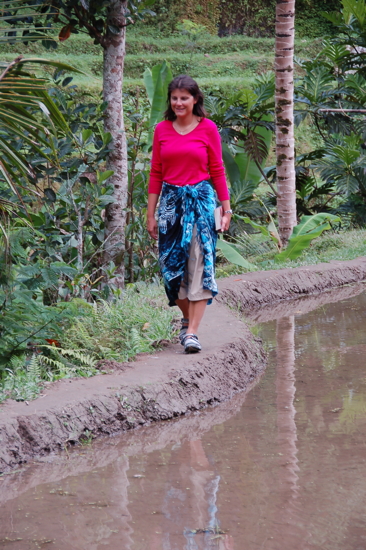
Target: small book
218 218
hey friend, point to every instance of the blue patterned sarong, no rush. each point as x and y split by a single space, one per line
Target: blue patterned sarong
181 208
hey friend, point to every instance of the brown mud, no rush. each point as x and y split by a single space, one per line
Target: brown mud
169 384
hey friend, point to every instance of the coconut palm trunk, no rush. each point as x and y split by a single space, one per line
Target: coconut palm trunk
114 54
285 142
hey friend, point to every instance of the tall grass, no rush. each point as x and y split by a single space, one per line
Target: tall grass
138 322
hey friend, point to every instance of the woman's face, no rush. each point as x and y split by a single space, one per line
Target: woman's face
182 102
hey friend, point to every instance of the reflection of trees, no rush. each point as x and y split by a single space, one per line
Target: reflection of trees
287 436
285 388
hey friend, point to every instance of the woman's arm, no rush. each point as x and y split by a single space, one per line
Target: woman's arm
217 173
152 225
155 184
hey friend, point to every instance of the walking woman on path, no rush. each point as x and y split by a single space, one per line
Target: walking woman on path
186 154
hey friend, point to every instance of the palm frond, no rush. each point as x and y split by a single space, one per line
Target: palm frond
19 22
29 116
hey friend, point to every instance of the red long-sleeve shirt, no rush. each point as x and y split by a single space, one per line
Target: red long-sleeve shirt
187 159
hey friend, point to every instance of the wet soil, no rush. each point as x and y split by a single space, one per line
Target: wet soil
282 467
168 384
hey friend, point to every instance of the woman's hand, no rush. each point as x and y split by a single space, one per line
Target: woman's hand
226 217
152 228
151 225
225 222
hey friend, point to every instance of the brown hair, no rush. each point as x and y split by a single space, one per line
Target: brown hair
185 82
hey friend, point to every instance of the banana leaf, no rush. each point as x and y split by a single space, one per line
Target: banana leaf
156 81
308 229
255 225
233 256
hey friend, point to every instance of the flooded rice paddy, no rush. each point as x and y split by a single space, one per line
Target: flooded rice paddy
283 467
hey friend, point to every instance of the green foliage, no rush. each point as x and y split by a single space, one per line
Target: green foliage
169 15
240 16
19 22
75 16
141 252
308 229
244 177
245 124
332 94
22 383
25 321
343 165
191 29
27 116
233 256
332 245
137 322
156 82
351 25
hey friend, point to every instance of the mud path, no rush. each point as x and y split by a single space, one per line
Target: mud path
170 384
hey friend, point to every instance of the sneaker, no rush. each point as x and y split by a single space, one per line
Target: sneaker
191 343
183 330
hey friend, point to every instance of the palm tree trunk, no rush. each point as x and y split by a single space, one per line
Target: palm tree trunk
285 142
114 54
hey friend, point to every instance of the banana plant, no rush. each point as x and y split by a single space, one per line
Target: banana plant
156 81
308 229
232 255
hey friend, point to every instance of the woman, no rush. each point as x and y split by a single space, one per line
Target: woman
186 153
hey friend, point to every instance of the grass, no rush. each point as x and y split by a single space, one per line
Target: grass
139 322
219 64
345 245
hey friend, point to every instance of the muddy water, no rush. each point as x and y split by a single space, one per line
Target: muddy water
283 467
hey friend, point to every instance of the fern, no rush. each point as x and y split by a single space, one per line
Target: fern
136 341
17 362
22 384
34 368
85 360
57 365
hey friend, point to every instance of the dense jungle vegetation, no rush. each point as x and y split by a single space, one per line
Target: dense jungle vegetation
60 313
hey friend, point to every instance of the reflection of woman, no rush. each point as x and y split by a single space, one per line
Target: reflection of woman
186 153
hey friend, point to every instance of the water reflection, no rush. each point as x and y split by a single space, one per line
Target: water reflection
282 468
290 512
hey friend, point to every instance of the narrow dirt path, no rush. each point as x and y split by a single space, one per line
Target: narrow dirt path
169 383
